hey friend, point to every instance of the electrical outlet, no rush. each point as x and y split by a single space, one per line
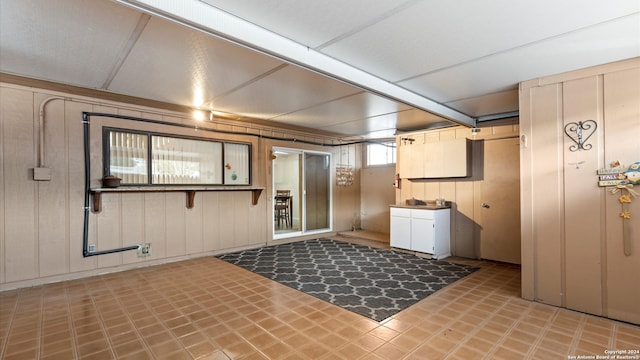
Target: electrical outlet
144 250
92 248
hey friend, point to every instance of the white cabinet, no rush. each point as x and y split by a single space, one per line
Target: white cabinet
421 230
401 228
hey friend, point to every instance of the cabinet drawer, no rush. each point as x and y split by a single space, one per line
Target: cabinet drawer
423 214
400 212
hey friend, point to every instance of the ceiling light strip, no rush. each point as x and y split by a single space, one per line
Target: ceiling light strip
214 21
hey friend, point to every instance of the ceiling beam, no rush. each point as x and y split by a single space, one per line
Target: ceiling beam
206 18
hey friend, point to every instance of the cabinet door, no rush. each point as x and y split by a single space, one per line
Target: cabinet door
442 234
422 235
434 158
411 157
449 158
456 154
401 232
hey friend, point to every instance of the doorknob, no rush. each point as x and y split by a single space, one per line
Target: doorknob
485 205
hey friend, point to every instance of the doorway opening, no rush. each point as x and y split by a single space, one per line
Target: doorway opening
301 192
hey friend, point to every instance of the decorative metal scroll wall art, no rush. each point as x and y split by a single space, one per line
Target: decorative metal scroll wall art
580 132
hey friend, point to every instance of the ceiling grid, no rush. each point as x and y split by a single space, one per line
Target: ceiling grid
358 68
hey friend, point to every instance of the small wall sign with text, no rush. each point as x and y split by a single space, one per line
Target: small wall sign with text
620 180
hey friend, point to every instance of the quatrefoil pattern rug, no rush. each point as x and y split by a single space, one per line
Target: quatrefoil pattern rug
375 283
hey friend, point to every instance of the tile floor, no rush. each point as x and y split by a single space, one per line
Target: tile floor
208 309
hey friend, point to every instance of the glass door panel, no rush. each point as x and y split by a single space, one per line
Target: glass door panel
301 192
317 191
286 179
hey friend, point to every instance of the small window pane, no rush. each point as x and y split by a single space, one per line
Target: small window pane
381 153
185 161
128 157
236 164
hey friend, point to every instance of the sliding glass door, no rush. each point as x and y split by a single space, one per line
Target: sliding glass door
317 183
301 192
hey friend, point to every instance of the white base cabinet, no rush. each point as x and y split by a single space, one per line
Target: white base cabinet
422 230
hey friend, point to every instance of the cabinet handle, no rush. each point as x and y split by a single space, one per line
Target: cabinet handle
485 205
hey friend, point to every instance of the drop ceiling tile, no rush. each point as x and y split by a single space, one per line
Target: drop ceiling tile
311 23
365 125
170 62
362 128
71 42
490 104
606 43
287 90
355 107
431 36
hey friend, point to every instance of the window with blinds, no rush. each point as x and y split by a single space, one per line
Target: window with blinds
141 158
383 153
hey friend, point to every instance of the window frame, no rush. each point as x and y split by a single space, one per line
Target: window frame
106 157
380 143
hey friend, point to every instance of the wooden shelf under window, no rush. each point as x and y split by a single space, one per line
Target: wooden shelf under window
190 192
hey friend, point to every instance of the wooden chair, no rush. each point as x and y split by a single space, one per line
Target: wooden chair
281 207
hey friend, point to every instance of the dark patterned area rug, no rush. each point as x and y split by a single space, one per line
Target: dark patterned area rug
375 283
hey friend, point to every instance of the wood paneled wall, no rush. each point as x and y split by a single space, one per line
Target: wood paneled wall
572 250
41 222
377 194
464 193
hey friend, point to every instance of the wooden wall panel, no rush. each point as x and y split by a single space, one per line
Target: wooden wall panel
421 190
109 230
257 230
132 225
348 201
41 223
53 208
377 194
583 274
175 223
21 252
431 190
155 232
465 242
241 201
211 220
75 153
474 232
227 221
448 191
570 223
622 131
527 266
194 226
548 234
3 96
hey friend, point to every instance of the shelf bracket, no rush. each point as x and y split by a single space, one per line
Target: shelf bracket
255 195
97 202
191 194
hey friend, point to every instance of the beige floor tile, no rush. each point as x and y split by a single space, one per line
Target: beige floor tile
207 309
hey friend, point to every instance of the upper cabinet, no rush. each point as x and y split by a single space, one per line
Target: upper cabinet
423 158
